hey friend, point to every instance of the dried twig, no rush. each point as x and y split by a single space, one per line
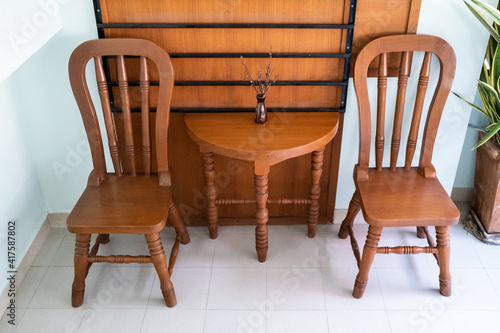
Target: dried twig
261 85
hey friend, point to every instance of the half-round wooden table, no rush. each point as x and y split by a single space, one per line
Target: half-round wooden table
284 136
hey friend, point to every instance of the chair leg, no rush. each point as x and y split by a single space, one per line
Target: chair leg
421 233
369 251
82 246
159 260
104 238
180 228
354 207
443 245
210 193
314 191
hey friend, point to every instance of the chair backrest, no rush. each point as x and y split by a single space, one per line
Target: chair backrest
117 52
407 45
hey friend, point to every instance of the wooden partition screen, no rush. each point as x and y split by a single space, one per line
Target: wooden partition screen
311 42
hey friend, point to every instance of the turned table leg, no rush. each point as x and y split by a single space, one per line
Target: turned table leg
314 191
261 194
210 192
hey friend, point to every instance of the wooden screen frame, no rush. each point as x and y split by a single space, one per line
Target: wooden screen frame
350 40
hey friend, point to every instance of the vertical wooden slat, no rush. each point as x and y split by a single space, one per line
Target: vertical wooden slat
127 119
404 72
102 86
381 99
146 140
423 81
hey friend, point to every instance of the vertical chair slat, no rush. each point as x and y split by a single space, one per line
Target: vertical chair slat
404 72
127 118
381 98
146 140
423 81
102 86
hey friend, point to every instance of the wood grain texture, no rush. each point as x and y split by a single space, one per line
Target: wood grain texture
314 191
210 192
117 203
374 18
261 234
286 135
402 196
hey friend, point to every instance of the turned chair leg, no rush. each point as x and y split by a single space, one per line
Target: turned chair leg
159 260
174 216
346 226
443 245
421 232
261 232
354 207
369 251
82 246
210 193
314 191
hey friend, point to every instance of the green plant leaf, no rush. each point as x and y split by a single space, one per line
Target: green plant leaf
489 9
490 90
488 135
489 105
482 19
475 107
495 69
476 127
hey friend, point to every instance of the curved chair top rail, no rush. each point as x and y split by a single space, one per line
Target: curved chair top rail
95 49
407 44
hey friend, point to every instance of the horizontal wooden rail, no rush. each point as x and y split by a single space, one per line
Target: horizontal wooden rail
281 201
406 250
121 259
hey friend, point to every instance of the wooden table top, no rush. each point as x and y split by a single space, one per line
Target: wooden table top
285 135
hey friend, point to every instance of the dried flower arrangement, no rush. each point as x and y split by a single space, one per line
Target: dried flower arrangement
261 85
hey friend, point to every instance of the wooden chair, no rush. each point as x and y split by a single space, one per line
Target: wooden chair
133 202
401 196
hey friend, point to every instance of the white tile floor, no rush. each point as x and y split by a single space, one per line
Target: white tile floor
305 286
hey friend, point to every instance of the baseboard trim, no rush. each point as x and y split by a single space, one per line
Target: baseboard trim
461 194
25 264
58 220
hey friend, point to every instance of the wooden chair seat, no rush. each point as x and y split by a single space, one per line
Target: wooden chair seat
398 198
122 205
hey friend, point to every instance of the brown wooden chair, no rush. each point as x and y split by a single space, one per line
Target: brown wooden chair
133 202
401 196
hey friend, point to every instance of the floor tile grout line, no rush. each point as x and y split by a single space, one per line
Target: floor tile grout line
38 286
60 244
208 292
144 317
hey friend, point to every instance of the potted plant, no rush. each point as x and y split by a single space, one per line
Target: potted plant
485 210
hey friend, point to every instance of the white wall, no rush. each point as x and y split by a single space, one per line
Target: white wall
53 123
40 127
452 21
21 197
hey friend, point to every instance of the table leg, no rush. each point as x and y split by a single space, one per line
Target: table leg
210 192
314 191
261 194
